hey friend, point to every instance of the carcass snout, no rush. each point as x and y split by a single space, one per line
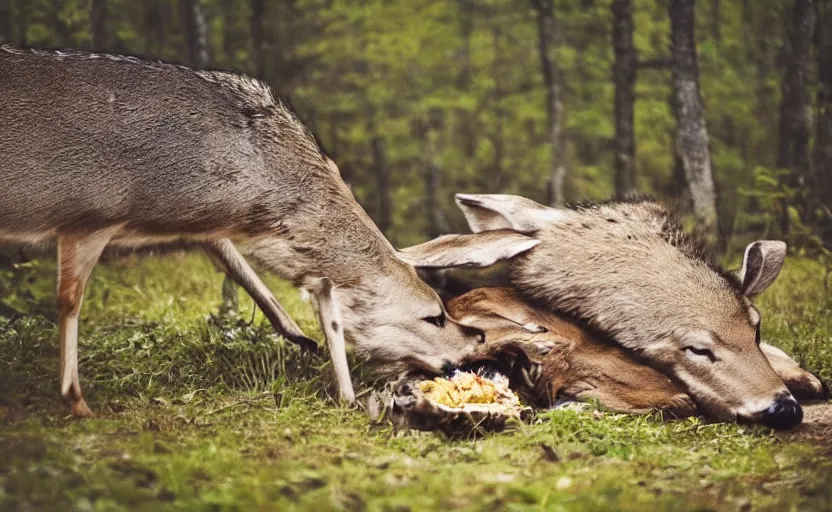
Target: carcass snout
783 413
448 368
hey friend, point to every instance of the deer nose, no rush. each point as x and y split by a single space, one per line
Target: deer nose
448 368
783 413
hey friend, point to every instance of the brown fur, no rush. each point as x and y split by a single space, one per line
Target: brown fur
581 365
103 149
628 271
631 281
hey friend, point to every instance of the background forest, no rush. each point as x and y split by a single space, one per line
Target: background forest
558 101
723 107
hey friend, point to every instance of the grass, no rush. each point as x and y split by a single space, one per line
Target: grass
203 412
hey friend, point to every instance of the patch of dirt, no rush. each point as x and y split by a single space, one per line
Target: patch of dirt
816 427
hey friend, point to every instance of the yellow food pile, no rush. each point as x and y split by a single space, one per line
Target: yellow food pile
466 388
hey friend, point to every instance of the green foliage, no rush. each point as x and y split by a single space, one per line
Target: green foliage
770 192
456 84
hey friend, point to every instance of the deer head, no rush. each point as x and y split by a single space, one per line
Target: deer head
379 303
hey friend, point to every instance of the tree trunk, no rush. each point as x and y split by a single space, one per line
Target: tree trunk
692 134
154 28
822 157
196 32
467 119
545 13
492 183
98 26
228 33
437 224
378 155
6 21
59 27
258 11
795 110
384 216
22 22
716 20
624 78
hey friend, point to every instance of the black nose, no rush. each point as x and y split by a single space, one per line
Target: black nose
783 413
448 368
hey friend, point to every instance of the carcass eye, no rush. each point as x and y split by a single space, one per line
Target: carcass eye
438 321
701 352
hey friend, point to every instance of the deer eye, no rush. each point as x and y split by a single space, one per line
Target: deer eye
757 333
700 352
438 320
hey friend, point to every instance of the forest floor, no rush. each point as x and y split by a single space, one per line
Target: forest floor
201 412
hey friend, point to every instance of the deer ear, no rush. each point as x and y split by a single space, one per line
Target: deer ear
489 212
471 251
761 265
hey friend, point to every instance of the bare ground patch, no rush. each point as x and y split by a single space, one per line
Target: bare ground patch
816 427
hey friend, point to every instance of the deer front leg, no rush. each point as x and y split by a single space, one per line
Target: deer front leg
328 306
802 384
241 272
77 255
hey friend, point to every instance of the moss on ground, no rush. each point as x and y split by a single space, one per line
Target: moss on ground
202 412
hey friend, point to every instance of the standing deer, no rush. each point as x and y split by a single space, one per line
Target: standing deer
578 364
629 271
103 149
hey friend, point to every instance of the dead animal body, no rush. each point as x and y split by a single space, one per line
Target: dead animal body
577 364
550 360
629 273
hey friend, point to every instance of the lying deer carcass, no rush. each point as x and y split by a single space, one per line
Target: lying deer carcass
550 359
576 364
544 358
629 271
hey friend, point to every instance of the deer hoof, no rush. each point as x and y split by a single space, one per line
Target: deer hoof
80 409
306 345
346 398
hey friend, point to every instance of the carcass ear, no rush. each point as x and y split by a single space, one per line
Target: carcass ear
761 265
489 212
471 251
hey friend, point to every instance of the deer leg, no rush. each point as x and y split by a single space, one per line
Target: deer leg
802 384
77 255
229 285
229 295
241 272
329 313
